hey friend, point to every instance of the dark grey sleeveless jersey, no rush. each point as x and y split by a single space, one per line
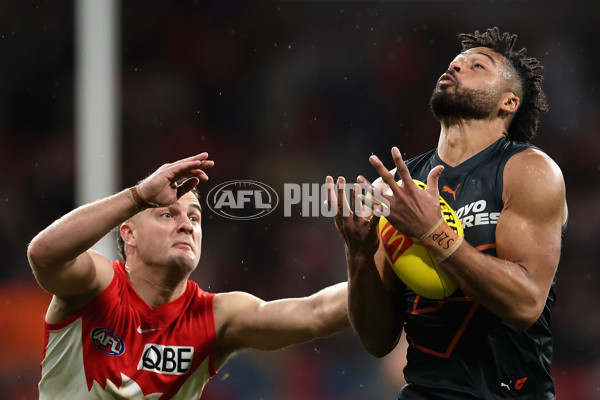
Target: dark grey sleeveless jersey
458 349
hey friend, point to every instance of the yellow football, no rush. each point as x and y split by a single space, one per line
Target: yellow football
412 262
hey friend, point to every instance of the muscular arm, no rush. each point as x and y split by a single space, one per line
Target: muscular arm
373 306
245 321
515 284
59 255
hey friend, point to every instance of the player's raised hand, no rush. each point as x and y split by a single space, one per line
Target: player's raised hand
359 233
171 181
412 210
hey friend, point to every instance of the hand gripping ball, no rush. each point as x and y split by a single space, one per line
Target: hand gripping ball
412 262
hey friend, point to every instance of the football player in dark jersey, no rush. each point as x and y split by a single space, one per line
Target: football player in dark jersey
491 338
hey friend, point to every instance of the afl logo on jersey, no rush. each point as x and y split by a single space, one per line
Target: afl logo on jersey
108 341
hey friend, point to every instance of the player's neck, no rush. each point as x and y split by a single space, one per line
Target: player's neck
462 139
154 288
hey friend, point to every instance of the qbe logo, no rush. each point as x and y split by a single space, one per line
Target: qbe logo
169 360
242 199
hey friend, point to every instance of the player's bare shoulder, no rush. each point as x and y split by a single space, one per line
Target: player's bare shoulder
536 163
533 176
229 308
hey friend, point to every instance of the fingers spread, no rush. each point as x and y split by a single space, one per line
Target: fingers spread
402 169
343 205
329 187
383 172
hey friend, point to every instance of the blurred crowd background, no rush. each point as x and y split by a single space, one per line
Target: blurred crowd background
284 92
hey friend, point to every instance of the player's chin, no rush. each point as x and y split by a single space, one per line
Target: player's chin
185 262
445 87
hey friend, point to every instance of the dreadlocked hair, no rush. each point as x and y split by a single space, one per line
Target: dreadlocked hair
525 122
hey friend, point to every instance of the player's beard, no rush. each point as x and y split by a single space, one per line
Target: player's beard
462 103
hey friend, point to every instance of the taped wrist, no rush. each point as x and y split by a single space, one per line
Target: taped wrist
138 201
441 241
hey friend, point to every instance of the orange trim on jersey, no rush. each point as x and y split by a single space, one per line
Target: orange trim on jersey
439 305
486 246
450 348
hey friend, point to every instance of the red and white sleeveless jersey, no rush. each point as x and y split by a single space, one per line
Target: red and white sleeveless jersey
118 347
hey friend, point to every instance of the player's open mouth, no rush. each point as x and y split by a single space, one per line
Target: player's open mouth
446 79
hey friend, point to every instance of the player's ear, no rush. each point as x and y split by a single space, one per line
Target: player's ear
510 103
126 232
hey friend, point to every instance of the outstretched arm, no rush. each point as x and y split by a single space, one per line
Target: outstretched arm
245 321
60 255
